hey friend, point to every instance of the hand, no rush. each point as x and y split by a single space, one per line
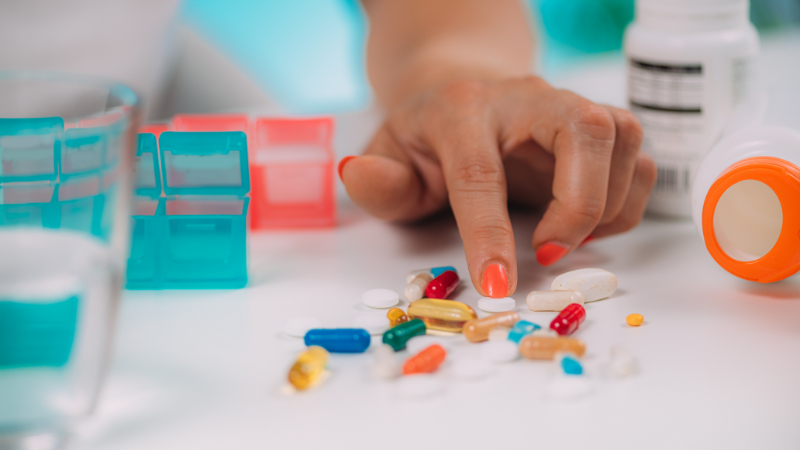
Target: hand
479 144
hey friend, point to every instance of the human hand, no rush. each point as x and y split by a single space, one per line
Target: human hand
479 144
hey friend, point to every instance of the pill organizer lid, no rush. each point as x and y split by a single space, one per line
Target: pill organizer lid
28 165
204 163
148 177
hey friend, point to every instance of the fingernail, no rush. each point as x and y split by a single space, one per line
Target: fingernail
495 281
344 161
550 253
586 241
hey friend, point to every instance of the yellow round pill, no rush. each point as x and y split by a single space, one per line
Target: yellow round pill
635 320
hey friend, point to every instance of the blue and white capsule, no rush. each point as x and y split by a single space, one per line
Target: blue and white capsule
436 271
339 340
522 329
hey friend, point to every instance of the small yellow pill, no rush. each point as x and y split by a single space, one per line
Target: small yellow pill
635 320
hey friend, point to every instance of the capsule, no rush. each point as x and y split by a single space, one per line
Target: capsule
426 361
594 284
522 329
396 316
567 321
543 347
414 273
570 365
444 315
436 271
397 336
477 330
443 285
339 340
308 368
416 288
553 300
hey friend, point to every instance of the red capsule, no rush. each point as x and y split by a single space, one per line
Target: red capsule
567 321
425 361
443 285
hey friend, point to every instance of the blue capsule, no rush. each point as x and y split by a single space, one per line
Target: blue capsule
339 340
436 271
571 366
522 329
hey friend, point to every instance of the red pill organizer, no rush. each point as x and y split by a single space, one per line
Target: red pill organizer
442 286
568 320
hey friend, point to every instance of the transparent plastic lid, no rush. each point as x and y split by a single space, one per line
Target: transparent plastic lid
83 150
148 178
199 163
28 148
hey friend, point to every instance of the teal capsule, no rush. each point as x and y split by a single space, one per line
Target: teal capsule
571 366
436 271
398 336
522 329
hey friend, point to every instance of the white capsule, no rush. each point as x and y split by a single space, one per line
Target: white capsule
489 304
419 386
594 284
380 298
416 287
553 300
298 327
471 368
419 343
545 332
499 334
499 351
622 362
414 273
386 364
374 323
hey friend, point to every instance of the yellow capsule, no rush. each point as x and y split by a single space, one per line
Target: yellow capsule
444 315
544 347
396 316
478 330
635 320
309 367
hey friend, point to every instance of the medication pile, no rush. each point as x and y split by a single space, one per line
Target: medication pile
503 335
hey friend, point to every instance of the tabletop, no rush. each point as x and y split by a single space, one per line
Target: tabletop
716 358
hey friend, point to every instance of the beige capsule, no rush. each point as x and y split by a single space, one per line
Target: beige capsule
543 347
415 289
477 330
442 315
553 300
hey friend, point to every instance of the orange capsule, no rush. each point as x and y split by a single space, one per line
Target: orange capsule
396 317
477 330
425 361
545 347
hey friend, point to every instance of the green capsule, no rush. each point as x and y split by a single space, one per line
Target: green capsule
398 336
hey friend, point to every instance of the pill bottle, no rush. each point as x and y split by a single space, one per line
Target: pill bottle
690 62
746 203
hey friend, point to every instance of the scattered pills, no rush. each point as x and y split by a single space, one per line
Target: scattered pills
443 315
436 271
386 365
570 365
419 343
372 322
426 361
499 351
380 298
635 320
522 329
415 290
477 330
490 304
299 327
553 300
397 336
594 284
568 320
443 285
308 368
542 347
569 387
339 340
471 368
396 316
420 386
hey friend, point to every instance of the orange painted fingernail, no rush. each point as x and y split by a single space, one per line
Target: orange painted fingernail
495 281
344 161
587 240
550 253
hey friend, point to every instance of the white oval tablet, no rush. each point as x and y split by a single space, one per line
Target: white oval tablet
373 323
499 351
594 284
419 343
380 298
553 300
299 326
419 386
471 368
570 387
489 304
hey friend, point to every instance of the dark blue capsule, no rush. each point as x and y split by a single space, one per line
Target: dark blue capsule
339 340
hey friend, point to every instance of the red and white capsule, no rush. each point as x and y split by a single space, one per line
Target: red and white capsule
568 320
442 286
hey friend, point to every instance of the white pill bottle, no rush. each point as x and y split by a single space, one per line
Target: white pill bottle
690 63
746 203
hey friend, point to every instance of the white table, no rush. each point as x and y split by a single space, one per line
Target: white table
718 357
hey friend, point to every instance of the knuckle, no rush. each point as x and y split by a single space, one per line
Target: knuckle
590 210
464 92
630 129
478 170
594 120
646 170
494 230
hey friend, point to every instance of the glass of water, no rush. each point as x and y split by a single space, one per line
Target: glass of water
66 158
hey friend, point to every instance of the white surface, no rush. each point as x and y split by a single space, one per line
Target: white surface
717 362
298 327
499 351
496 305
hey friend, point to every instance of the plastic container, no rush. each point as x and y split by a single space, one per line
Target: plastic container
746 203
690 63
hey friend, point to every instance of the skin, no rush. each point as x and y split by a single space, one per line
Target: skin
468 126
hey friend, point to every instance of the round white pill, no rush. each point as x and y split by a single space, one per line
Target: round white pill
299 326
489 304
420 343
471 368
570 387
499 351
419 386
373 323
380 298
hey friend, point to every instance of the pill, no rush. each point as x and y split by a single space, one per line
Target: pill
634 320
386 364
414 273
543 347
426 361
298 327
570 364
444 315
570 388
419 343
380 298
499 351
443 285
415 290
436 271
594 284
471 368
420 386
477 330
568 320
396 316
308 368
522 329
499 334
545 332
374 323
490 304
339 340
622 362
553 300
397 336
